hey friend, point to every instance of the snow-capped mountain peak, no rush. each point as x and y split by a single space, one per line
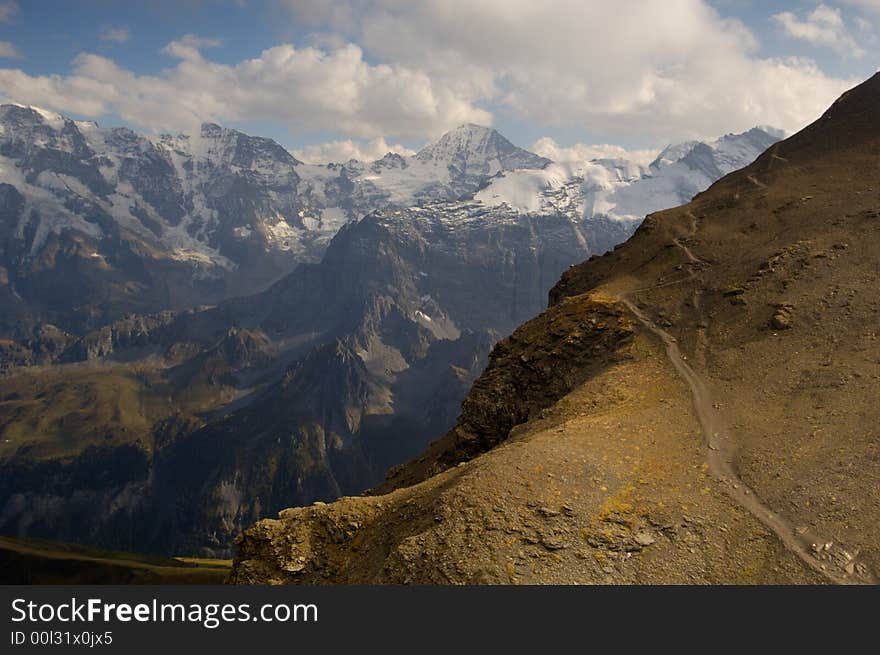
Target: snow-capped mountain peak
30 115
478 149
673 153
218 201
732 149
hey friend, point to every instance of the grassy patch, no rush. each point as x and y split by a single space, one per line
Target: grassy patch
36 561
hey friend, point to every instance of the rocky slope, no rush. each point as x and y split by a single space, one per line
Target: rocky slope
697 406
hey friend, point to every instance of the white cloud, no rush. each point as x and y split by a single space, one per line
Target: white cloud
344 150
582 152
650 69
8 51
189 45
306 89
823 26
114 34
8 11
670 69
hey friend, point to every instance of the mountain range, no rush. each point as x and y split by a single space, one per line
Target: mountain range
202 330
101 223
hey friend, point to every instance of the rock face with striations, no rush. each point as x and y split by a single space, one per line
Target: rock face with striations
97 223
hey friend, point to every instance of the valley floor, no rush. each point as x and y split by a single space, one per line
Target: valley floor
34 561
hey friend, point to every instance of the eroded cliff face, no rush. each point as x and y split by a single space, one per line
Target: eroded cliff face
306 392
528 372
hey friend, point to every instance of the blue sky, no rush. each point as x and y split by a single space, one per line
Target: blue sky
358 78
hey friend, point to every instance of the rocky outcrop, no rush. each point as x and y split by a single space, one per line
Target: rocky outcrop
128 333
538 364
46 345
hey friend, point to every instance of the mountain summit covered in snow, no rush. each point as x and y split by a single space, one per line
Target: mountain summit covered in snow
477 150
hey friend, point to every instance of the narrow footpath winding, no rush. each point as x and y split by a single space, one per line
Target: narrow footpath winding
836 564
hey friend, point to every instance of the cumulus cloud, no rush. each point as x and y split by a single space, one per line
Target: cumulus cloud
189 45
8 51
307 89
8 11
582 152
823 26
650 69
344 150
114 34
660 68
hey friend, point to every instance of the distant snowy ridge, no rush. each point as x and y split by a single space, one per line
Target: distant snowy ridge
622 190
220 198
